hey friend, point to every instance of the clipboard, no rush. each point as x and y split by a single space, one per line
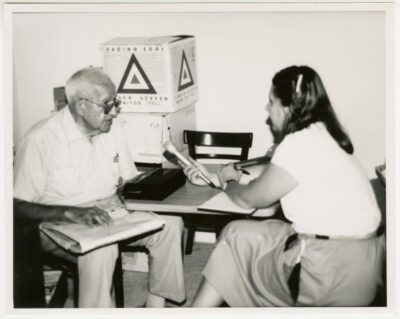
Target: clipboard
251 162
257 160
221 203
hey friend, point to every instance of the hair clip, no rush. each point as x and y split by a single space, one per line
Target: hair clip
298 84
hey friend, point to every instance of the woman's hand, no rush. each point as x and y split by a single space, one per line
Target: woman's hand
228 173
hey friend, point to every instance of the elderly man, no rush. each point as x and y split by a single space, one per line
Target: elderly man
69 162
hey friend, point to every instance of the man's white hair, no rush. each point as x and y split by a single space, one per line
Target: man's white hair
85 81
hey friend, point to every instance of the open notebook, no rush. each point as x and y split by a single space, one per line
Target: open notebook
221 203
79 238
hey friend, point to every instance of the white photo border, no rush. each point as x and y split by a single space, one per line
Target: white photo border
9 11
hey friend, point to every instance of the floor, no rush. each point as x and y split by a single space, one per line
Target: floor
135 283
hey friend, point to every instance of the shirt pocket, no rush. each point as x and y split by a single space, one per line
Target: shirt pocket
115 173
108 172
63 181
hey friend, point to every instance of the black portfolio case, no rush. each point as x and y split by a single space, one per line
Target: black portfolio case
156 185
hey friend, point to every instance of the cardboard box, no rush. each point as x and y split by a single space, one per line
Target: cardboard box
152 75
148 132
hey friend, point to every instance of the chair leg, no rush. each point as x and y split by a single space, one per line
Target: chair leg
119 283
183 244
190 240
75 287
60 292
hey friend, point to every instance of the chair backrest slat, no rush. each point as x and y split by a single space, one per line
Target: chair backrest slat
242 141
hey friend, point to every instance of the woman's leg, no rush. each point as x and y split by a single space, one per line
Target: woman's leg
230 264
207 296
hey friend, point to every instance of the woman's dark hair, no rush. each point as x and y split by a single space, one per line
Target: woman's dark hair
300 88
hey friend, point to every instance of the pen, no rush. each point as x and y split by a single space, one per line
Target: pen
241 170
244 171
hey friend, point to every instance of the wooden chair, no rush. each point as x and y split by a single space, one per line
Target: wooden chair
59 98
235 147
28 272
29 263
238 141
70 270
379 188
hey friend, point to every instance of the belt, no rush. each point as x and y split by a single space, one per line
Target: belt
325 237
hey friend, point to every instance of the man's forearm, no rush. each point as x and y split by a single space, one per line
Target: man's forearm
38 212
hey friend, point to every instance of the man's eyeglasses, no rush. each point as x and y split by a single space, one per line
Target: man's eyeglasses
107 107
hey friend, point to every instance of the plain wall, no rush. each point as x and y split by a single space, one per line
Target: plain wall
237 55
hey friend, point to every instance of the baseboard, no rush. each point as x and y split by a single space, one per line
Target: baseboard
205 237
137 261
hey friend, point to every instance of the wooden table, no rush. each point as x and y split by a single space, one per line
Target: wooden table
185 200
184 203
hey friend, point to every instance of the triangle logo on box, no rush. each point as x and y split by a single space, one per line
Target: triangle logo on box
185 76
135 79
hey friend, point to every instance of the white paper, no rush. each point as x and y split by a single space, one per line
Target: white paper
222 203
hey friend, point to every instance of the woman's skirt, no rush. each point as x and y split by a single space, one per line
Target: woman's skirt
253 261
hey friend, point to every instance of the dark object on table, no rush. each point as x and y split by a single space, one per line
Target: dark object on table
154 185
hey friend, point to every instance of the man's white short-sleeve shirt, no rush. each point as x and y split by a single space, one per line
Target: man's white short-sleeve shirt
334 196
56 164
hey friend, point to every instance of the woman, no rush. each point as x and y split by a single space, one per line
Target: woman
330 254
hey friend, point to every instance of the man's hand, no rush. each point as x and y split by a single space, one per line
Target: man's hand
91 216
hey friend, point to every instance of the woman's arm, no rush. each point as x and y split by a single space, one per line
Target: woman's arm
273 183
